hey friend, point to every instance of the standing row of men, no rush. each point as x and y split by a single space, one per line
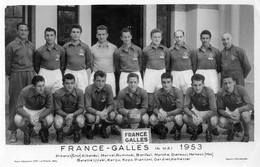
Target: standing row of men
53 61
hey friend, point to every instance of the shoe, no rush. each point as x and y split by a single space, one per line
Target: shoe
96 130
13 137
189 130
152 129
59 136
230 135
114 130
89 133
200 129
31 130
194 136
44 133
238 127
177 135
163 131
245 138
76 137
173 130
103 132
26 139
208 136
70 132
215 132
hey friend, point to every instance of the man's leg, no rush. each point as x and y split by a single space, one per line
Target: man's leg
90 119
23 124
45 125
58 125
245 118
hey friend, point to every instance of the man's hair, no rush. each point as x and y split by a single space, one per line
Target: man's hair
229 76
49 29
37 78
166 75
102 27
206 32
21 23
68 76
131 75
100 73
76 26
180 31
197 77
125 30
155 31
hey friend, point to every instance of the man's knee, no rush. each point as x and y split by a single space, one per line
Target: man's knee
179 119
222 122
153 120
19 120
58 122
90 118
145 119
80 119
186 119
112 116
48 120
214 120
119 119
245 116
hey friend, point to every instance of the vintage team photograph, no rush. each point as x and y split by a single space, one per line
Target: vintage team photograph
86 74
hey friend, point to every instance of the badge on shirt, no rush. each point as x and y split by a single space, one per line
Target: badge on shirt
81 52
211 56
162 55
185 55
135 56
233 57
57 57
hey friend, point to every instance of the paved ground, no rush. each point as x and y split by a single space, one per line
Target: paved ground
117 139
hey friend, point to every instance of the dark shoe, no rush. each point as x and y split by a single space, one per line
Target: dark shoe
194 136
152 129
43 133
26 139
103 132
164 131
173 130
76 137
238 127
200 129
177 135
230 135
208 136
245 138
13 137
89 133
59 136
189 130
96 130
215 132
70 132
31 130
114 130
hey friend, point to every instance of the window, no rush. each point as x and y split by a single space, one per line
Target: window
67 15
13 15
164 23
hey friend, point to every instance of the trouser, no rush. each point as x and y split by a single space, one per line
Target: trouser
18 80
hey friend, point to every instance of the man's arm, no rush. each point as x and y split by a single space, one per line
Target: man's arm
20 104
167 60
179 104
87 57
248 102
120 104
244 62
212 103
144 102
62 60
187 103
48 105
58 105
88 102
110 99
116 57
8 60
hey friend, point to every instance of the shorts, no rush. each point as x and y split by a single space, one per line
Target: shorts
182 79
123 80
53 78
152 79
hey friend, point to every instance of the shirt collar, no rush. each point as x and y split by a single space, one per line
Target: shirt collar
71 43
132 46
18 40
97 90
153 46
203 93
45 47
106 44
234 92
138 90
177 48
165 93
34 93
210 48
64 92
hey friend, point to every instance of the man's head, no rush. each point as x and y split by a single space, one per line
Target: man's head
38 83
126 36
69 82
166 80
50 35
197 82
102 33
133 81
205 37
156 36
227 40
179 37
100 79
22 31
229 83
75 32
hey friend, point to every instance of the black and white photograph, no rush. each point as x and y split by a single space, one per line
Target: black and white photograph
130 83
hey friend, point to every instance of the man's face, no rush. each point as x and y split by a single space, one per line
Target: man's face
205 40
179 38
133 83
197 86
22 32
100 82
227 40
102 35
126 38
229 84
75 34
166 84
50 37
39 87
69 84
156 38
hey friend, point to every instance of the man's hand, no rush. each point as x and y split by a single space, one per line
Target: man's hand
235 115
102 114
69 119
34 119
196 119
162 115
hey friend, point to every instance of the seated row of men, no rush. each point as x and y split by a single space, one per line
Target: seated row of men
36 104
